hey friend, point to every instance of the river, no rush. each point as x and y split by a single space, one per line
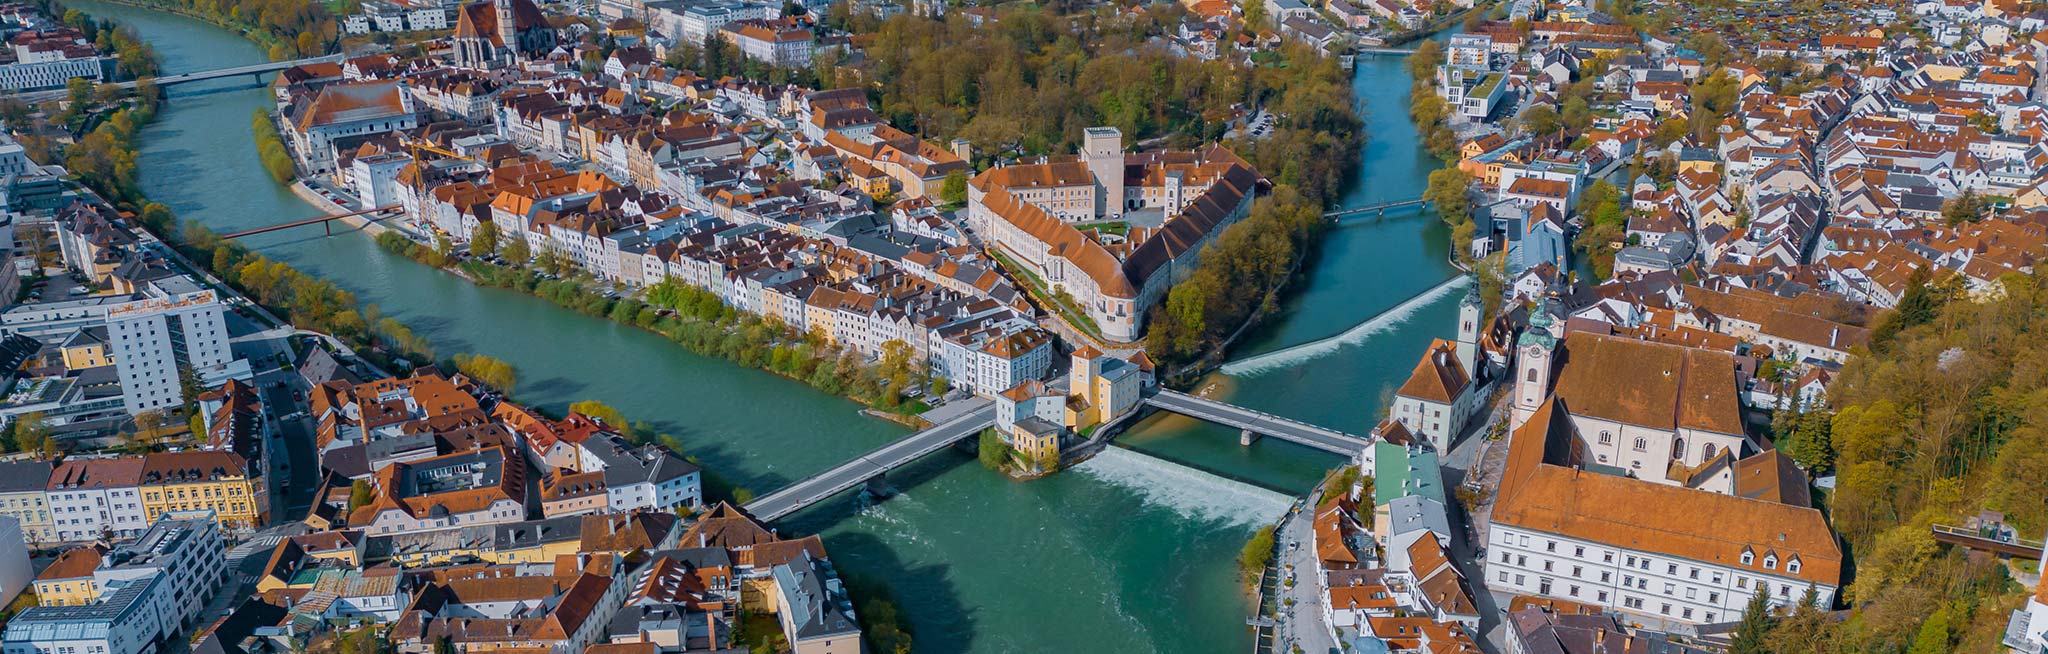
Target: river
1133 551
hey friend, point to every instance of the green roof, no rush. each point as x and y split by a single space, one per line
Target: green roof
1400 472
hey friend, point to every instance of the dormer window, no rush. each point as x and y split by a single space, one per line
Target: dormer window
1771 562
1792 566
1749 558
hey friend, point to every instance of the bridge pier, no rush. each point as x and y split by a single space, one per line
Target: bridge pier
1246 437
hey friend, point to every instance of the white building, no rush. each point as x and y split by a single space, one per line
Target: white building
185 548
988 357
153 339
650 477
1563 531
91 498
15 573
150 590
51 74
347 110
1444 391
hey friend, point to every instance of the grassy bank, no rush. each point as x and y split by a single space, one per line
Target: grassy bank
702 323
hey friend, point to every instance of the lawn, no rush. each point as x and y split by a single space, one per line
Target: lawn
1058 301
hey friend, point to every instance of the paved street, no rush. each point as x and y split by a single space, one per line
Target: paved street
1473 457
1301 606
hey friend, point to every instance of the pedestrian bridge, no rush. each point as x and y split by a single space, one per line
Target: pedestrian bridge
1258 423
845 476
1378 208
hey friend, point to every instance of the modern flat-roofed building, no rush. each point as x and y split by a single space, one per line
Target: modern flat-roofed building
154 340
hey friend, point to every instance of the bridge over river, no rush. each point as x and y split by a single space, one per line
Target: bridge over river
845 476
256 71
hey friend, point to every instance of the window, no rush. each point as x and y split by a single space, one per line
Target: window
1642 444
1606 438
1678 448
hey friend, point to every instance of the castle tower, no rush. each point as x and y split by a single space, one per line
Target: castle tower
1534 351
1081 376
508 27
1103 149
1470 312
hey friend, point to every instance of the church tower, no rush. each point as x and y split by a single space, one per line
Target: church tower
1533 365
508 28
1470 313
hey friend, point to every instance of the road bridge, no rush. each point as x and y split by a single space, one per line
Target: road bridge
845 476
167 81
1377 208
1394 52
1258 423
322 220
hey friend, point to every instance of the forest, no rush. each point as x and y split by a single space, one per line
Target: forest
1029 82
1944 416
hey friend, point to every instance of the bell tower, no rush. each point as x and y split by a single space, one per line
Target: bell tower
1533 365
1470 312
508 27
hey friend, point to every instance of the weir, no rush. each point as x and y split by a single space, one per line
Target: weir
1358 333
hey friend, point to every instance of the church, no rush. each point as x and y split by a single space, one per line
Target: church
497 33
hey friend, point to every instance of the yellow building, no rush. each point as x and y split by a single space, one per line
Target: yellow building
86 348
1104 388
69 581
201 480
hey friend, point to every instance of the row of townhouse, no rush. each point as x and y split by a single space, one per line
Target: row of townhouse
88 498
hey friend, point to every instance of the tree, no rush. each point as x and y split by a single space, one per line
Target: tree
603 412
1540 121
993 451
1933 636
484 241
1753 633
1450 191
360 494
1256 554
1806 630
1577 114
492 372
517 252
954 192
1965 208
191 388
32 434
1254 15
